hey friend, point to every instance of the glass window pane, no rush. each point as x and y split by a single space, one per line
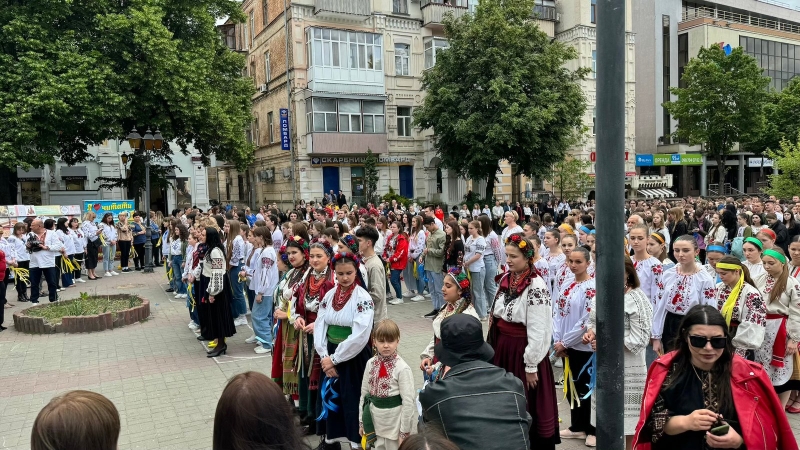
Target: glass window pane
317 33
335 54
362 38
403 111
380 124
330 120
370 59
791 52
324 105
354 56
758 46
319 122
343 123
378 39
369 126
349 106
355 123
373 107
326 34
326 53
317 53
378 58
362 56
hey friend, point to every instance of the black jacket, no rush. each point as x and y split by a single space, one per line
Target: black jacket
781 236
478 406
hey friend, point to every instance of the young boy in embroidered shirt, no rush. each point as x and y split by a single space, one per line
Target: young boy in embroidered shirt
387 409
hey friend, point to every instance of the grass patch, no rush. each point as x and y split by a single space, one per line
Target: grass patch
85 305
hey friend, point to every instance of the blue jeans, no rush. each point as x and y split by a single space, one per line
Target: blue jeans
489 285
51 277
177 283
435 282
262 321
109 253
478 294
238 303
395 280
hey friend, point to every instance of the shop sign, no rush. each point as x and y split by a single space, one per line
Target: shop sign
285 141
339 160
759 162
100 207
675 159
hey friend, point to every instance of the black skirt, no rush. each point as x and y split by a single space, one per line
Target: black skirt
344 422
91 254
218 321
672 325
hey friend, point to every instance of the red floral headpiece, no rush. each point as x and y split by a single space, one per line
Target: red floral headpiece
518 240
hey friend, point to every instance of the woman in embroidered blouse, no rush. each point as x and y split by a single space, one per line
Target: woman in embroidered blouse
458 299
742 306
341 338
490 257
125 240
17 240
235 251
109 234
510 218
316 282
555 258
570 321
637 322
782 293
79 246
685 285
752 249
563 275
215 290
264 279
649 269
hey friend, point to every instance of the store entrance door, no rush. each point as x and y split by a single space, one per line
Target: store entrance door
357 181
330 181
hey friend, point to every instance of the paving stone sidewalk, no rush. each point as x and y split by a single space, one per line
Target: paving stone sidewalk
156 372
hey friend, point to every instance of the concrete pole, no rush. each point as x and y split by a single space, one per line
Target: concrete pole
704 177
740 184
610 198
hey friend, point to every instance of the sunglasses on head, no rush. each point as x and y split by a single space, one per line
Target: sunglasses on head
701 341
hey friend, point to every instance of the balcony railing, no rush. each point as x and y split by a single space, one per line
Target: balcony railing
342 7
702 12
433 12
546 13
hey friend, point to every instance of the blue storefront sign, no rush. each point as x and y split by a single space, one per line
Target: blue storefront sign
644 160
285 141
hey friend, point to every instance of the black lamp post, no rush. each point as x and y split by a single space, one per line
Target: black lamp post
146 144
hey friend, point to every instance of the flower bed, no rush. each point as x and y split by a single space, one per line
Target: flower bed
84 314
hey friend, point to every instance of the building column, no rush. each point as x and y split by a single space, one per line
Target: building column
740 184
430 178
704 178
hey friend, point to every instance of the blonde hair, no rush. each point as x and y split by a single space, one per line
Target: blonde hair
90 216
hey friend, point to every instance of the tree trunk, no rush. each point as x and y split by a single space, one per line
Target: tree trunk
720 172
490 185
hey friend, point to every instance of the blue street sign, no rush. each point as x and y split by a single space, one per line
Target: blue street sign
285 141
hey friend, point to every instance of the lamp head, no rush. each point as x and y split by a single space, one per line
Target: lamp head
148 140
125 159
158 140
134 139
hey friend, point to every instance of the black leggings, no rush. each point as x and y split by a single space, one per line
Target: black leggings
77 258
125 250
139 260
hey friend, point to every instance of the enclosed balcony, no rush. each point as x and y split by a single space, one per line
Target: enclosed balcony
342 8
434 11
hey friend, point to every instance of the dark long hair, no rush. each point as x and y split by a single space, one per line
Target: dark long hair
213 241
252 413
62 225
721 372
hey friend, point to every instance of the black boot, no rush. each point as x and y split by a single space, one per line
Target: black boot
325 446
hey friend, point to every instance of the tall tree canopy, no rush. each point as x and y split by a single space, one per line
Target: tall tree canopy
782 118
722 103
787 160
78 72
501 91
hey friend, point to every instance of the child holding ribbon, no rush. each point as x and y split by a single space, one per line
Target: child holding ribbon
741 305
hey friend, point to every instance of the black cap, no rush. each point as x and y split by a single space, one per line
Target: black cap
462 341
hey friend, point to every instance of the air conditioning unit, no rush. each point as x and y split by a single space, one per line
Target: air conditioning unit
262 88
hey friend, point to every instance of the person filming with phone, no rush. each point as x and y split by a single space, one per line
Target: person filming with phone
703 395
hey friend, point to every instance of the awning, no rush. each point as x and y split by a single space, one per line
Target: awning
656 193
73 173
30 175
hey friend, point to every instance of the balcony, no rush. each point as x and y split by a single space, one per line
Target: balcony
342 8
347 143
434 12
546 13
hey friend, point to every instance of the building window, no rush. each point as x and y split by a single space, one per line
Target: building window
271 127
432 47
779 61
345 116
264 12
267 69
255 132
593 11
245 37
349 116
594 63
75 185
252 27
333 48
594 121
31 192
401 59
404 121
400 6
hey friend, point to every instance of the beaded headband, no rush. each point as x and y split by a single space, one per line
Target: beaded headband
522 244
325 246
350 242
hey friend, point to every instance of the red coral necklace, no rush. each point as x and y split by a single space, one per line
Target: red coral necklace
342 296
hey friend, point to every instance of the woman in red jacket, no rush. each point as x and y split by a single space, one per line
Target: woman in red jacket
703 395
396 253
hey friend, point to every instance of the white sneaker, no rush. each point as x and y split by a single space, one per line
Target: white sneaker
113 272
194 326
409 294
81 280
427 295
251 340
240 322
418 298
108 274
397 301
261 350
182 296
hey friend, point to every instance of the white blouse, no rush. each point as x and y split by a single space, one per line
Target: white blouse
533 309
650 273
19 248
554 261
638 320
681 293
788 304
751 313
572 314
266 273
755 269
214 269
357 313
78 240
472 247
89 230
66 240
237 251
109 233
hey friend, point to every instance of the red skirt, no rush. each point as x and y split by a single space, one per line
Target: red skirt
509 341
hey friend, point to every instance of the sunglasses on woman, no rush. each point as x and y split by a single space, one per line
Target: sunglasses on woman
701 341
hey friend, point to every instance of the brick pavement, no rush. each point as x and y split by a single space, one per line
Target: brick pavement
155 372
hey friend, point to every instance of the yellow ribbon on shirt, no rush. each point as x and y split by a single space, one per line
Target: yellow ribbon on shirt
191 297
727 308
102 240
569 386
21 274
158 244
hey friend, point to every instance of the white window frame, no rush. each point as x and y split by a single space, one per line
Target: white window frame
404 122
373 117
323 116
328 47
594 63
432 46
267 69
402 59
271 127
349 121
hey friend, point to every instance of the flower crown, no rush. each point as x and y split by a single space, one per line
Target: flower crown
461 280
298 242
350 241
519 241
349 256
324 245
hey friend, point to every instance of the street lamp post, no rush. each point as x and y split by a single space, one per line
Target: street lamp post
147 143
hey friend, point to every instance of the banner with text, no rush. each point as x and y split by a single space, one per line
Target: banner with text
675 159
100 207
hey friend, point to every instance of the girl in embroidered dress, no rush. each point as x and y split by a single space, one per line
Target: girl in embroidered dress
638 323
490 257
794 258
782 333
570 322
457 298
520 331
215 290
387 409
265 278
564 276
316 282
649 269
685 285
767 238
341 338
657 247
752 249
555 258
742 306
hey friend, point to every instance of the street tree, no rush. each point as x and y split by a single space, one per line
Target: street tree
76 73
722 103
371 176
786 183
782 118
501 91
569 178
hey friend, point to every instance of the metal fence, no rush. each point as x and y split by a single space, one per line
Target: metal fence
698 12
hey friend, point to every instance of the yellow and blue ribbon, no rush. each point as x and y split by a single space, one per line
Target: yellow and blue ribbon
328 394
591 368
191 297
569 386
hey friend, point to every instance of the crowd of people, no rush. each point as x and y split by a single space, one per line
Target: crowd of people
712 312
